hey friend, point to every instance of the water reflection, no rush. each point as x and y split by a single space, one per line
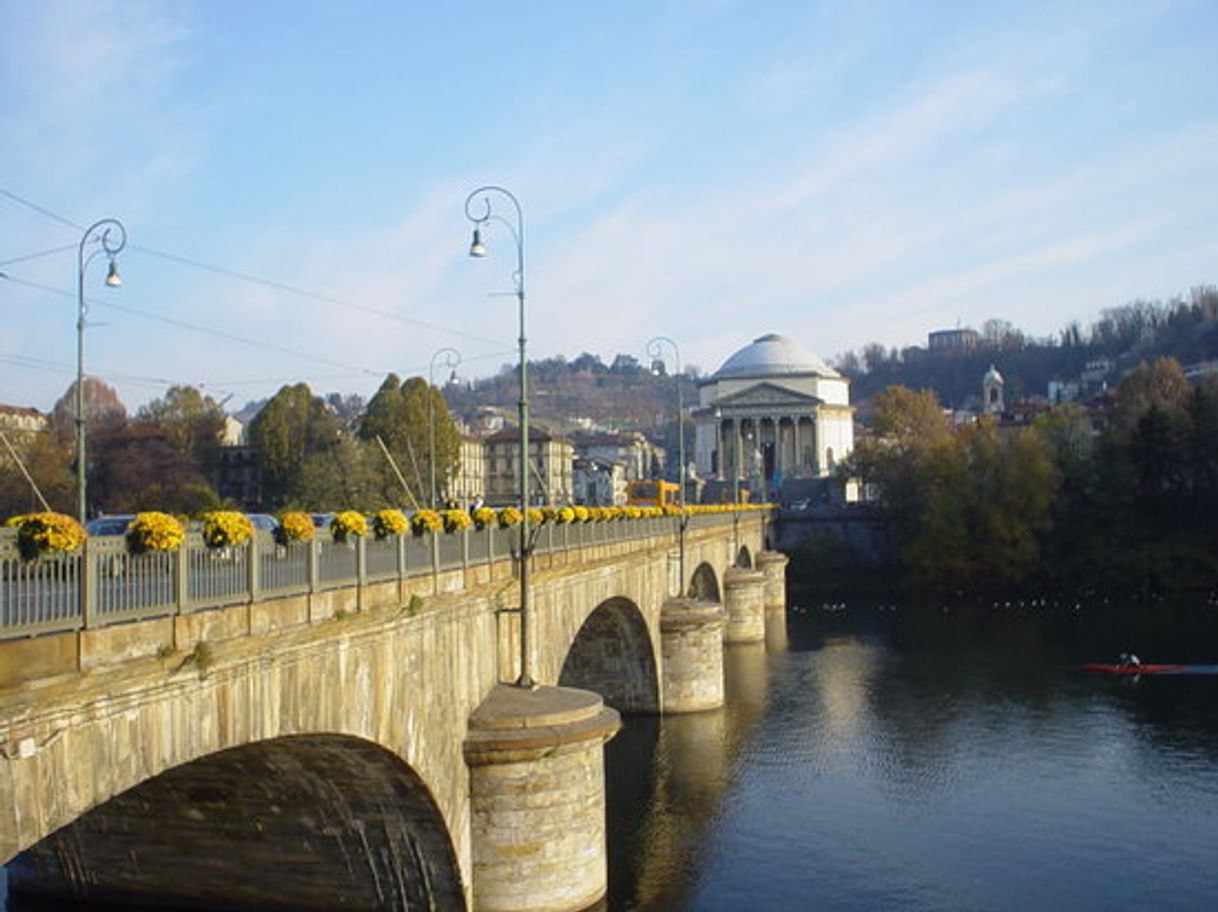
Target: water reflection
931 756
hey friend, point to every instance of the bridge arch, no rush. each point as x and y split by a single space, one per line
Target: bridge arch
338 820
744 558
704 584
613 655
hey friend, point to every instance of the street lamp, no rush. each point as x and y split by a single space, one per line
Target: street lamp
478 249
655 351
111 237
451 358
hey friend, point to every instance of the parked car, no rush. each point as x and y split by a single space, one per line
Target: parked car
109 525
263 522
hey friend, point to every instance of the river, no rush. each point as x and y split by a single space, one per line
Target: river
877 754
882 755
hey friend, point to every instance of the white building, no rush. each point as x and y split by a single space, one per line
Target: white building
772 413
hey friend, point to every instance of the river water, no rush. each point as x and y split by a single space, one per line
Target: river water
881 755
877 754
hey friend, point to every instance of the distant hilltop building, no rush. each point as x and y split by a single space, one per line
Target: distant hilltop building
21 419
992 386
772 414
953 341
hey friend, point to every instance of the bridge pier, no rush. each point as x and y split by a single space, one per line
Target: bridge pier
537 798
774 565
744 599
691 634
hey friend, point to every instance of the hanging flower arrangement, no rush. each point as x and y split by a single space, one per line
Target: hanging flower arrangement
455 520
581 514
154 531
294 526
348 524
536 517
508 517
46 533
564 515
388 523
483 517
226 528
426 521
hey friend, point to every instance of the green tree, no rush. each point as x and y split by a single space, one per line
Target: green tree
344 476
293 425
399 415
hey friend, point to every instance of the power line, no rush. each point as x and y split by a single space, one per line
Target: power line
35 256
258 280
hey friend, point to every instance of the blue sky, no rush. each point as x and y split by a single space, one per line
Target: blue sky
708 170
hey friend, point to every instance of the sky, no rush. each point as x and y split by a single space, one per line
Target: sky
292 179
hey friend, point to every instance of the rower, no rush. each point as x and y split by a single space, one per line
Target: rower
1129 659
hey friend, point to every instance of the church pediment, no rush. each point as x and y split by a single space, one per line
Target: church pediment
767 395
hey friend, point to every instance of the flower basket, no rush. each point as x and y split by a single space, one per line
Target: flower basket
388 523
294 526
426 521
226 528
455 520
483 517
48 534
564 515
348 525
536 517
581 514
508 517
154 531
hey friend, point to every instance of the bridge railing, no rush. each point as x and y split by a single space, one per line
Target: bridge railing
105 584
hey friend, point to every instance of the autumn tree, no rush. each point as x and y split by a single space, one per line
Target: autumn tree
192 423
104 410
48 459
137 467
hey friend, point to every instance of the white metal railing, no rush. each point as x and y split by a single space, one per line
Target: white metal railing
50 594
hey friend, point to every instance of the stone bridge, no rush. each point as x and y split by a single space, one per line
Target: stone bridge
365 748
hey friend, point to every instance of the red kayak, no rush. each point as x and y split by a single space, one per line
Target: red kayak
1115 669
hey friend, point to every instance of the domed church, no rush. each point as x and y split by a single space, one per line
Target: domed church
773 414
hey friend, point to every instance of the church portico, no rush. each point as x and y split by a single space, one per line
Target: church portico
772 413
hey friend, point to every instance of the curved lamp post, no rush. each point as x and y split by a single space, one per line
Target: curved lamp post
111 237
480 215
655 351
450 358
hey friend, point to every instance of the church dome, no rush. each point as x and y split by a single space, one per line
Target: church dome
772 355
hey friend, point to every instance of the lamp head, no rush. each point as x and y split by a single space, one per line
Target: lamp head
476 247
113 279
657 367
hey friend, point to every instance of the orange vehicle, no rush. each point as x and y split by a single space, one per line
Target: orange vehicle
652 493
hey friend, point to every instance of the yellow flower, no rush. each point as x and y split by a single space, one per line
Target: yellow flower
564 515
348 522
295 526
154 531
226 528
426 521
455 520
508 517
483 517
581 514
47 533
386 523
